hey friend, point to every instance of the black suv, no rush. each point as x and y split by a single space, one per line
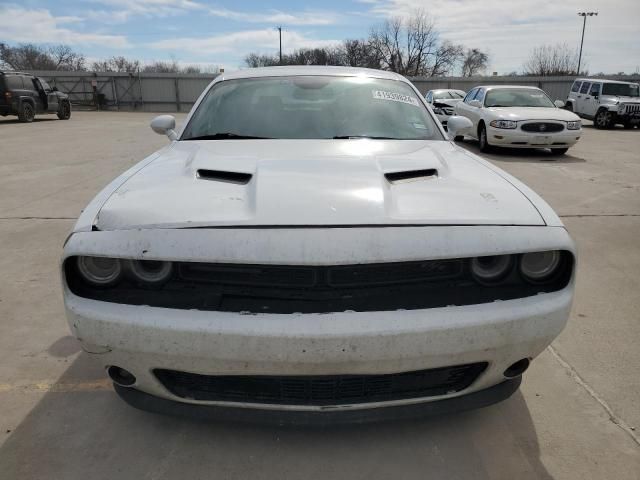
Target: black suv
24 95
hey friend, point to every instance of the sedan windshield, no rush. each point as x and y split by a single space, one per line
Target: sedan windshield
516 97
449 94
311 107
621 89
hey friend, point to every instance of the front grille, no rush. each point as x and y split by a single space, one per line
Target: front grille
320 390
542 127
249 288
631 108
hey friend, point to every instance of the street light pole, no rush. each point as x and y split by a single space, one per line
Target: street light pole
280 34
584 24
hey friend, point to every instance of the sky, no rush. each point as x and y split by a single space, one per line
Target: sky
222 32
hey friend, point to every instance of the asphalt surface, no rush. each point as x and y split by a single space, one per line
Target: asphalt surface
576 416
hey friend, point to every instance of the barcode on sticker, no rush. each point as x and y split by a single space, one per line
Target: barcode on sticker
395 97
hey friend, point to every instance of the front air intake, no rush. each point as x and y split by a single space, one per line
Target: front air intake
224 176
397 177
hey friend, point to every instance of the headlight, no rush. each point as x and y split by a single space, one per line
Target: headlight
539 266
438 111
503 124
151 272
492 268
100 271
574 125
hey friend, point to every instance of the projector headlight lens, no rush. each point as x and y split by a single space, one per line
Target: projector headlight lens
539 266
491 269
100 271
153 272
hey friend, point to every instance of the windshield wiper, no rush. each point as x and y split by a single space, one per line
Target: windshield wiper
347 137
226 136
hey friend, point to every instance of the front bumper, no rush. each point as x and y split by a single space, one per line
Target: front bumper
141 339
517 138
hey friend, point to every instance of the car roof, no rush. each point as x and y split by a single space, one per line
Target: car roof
446 90
11 72
603 80
312 70
491 87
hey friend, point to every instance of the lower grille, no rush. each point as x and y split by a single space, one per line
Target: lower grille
320 390
542 127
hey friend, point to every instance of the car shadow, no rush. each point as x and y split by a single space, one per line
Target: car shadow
12 120
75 433
520 155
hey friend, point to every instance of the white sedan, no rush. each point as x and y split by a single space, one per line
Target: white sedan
518 117
443 102
311 246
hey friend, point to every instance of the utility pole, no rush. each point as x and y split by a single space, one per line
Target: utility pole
280 34
584 24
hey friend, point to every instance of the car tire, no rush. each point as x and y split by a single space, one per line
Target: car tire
64 111
628 125
559 151
26 113
485 147
569 107
603 119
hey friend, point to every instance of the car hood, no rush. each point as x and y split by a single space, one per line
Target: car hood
533 113
448 101
314 182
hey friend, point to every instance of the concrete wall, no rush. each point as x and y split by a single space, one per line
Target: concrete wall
169 92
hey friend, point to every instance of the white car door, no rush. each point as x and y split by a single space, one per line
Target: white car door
463 109
591 101
582 97
475 112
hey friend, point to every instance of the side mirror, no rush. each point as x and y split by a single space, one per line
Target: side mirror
457 126
475 103
559 103
54 89
165 125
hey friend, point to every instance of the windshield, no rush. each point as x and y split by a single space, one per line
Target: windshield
449 94
621 89
515 97
311 107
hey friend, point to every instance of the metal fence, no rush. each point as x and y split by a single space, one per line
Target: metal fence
169 92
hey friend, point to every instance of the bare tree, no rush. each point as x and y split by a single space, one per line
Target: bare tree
474 62
556 59
255 60
360 53
116 64
411 46
29 56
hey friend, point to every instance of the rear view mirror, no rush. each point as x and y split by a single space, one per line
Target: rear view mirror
559 103
165 125
457 126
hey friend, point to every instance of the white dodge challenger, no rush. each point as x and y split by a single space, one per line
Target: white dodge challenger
311 246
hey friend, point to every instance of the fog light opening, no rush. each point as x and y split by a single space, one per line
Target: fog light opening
120 376
517 368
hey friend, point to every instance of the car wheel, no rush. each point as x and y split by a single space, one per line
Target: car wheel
603 120
559 151
482 137
628 125
64 111
26 112
569 107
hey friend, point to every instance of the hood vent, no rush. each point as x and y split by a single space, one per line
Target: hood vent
223 176
409 175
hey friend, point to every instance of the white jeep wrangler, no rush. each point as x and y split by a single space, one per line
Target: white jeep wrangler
606 102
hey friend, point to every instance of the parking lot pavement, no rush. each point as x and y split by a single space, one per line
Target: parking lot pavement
59 418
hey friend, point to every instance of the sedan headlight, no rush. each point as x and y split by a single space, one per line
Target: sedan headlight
151 272
100 271
491 269
503 124
539 266
575 125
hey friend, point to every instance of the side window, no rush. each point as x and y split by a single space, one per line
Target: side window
480 95
45 85
14 82
470 95
576 86
429 97
595 89
585 87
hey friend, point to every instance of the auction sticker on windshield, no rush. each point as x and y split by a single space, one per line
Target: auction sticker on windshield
395 97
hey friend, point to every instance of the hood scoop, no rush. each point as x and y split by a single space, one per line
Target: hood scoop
224 176
411 175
